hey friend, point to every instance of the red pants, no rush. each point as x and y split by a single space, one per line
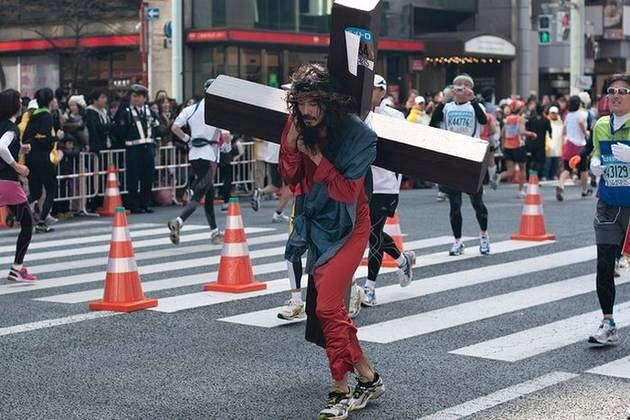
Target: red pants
331 281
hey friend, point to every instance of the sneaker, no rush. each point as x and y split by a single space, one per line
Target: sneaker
174 227
605 334
405 273
440 197
292 311
365 391
21 275
559 193
356 297
216 237
51 220
494 181
337 405
256 199
279 218
457 248
224 207
484 245
43 228
587 193
368 297
521 194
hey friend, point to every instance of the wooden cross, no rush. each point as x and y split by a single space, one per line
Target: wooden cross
428 153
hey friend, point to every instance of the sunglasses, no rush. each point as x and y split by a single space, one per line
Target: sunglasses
620 91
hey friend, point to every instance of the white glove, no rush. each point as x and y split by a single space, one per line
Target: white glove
597 168
621 152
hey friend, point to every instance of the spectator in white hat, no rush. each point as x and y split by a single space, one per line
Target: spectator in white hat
554 144
418 114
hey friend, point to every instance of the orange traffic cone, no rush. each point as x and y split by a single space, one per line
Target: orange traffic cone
532 219
626 244
392 228
112 194
4 213
123 290
235 268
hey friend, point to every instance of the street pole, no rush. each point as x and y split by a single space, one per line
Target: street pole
177 71
577 43
150 57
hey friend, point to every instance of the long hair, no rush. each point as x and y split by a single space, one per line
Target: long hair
311 82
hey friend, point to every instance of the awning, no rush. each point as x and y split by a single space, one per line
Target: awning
292 38
98 41
470 44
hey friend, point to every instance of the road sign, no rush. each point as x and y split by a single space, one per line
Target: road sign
152 13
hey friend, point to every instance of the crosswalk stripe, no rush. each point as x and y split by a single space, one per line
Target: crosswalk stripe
477 310
87 295
548 337
267 318
61 227
105 237
49 323
196 300
101 261
138 244
619 368
502 396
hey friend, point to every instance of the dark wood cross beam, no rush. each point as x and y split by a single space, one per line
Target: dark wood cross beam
430 154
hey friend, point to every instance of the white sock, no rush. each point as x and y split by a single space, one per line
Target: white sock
400 261
484 234
370 284
492 171
18 267
296 297
214 231
180 221
458 240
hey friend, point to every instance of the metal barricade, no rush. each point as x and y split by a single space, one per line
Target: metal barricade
78 181
88 175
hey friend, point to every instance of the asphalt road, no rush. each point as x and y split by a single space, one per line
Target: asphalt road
495 337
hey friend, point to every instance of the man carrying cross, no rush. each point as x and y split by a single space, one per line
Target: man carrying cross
328 151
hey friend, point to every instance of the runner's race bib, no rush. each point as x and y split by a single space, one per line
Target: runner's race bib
616 174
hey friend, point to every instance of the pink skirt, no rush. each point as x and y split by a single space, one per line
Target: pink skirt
11 193
570 149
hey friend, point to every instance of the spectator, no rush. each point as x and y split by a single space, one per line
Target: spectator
74 122
417 113
554 144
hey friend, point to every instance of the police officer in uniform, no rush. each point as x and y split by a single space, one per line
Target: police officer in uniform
136 125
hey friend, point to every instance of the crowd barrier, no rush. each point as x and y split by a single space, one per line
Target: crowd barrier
84 177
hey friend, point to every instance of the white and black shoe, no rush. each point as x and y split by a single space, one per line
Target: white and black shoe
43 228
405 273
456 249
337 405
256 199
366 391
174 227
293 311
605 334
484 244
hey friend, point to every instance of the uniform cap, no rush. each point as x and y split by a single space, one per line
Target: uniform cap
139 89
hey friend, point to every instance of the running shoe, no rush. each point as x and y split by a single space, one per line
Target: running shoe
405 273
337 405
484 245
559 193
174 227
216 237
605 334
368 297
22 275
522 194
279 218
292 311
494 181
365 391
441 197
457 249
356 297
587 193
43 228
256 199
224 207
51 220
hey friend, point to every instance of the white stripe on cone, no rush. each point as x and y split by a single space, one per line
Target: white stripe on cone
120 234
532 210
111 177
533 189
111 192
235 250
122 265
392 230
234 222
